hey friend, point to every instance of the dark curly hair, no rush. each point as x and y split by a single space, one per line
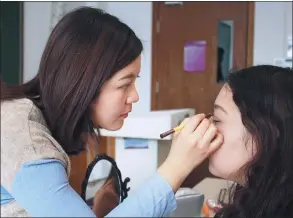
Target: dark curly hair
264 96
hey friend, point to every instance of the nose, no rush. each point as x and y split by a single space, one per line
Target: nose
133 96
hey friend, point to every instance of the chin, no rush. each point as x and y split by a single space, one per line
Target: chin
213 169
115 126
220 171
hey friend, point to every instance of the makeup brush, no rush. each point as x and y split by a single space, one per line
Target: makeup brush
180 127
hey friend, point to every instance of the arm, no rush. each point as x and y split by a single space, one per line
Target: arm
43 190
197 175
154 198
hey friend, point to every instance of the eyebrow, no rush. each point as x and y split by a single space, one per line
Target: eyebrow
128 76
216 106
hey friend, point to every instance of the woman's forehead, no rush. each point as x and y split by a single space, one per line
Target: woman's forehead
225 99
225 95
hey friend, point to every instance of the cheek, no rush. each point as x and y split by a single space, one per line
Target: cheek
107 108
231 156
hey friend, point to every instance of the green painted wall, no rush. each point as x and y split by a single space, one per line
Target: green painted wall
11 24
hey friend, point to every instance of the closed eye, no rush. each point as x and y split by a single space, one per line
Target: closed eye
125 86
128 84
216 121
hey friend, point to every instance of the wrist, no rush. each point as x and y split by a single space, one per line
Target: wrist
173 174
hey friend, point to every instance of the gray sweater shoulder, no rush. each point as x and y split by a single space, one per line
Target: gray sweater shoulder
25 137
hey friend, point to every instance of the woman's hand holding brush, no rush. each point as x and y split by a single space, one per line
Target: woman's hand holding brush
190 147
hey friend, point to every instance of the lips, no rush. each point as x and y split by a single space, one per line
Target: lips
125 115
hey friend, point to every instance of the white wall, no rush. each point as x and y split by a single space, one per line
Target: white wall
37 24
273 24
288 18
36 33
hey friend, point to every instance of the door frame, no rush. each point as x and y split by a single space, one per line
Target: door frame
155 42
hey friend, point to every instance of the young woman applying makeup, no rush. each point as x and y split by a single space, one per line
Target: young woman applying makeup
86 80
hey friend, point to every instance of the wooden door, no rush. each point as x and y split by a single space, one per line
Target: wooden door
175 26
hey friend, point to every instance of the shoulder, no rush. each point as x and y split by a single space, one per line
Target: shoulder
22 111
25 137
14 121
12 110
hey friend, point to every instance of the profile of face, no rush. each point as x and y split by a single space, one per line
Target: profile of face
237 149
116 97
254 113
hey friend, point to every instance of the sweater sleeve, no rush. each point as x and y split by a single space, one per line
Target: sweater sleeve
42 189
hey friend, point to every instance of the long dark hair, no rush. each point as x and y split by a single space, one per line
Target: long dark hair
84 50
264 96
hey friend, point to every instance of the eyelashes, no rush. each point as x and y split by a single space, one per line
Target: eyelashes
215 121
128 84
125 86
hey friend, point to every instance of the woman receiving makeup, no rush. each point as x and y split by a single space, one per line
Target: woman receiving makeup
254 113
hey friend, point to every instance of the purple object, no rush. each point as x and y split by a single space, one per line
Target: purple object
195 56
